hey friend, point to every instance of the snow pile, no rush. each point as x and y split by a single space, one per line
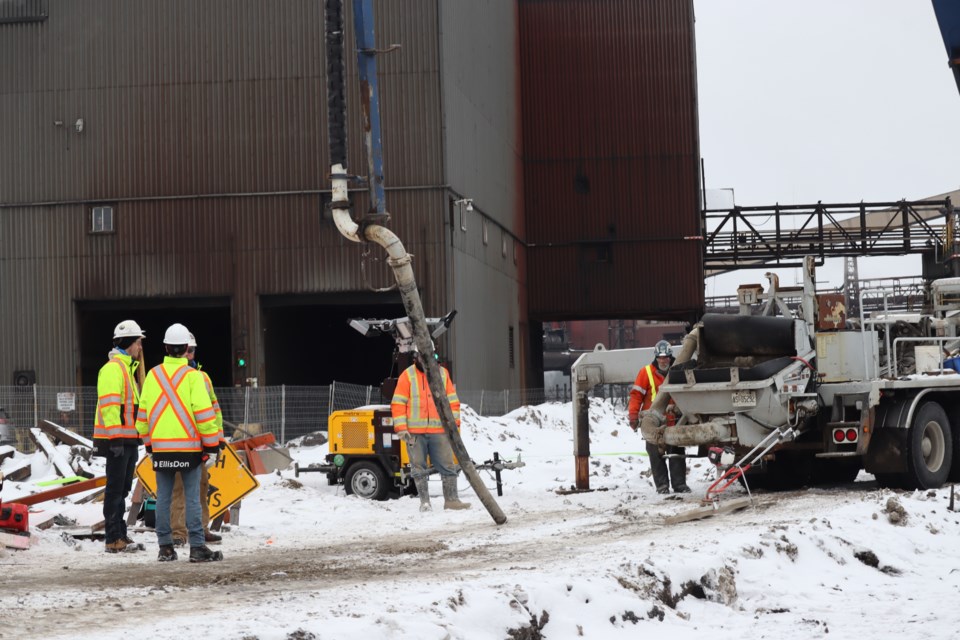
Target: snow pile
306 561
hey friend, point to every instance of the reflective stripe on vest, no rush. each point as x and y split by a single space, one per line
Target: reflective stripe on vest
653 382
419 406
128 426
169 398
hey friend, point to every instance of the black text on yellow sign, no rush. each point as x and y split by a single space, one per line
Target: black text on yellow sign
230 480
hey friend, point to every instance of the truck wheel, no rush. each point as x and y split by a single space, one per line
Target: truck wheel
366 480
929 448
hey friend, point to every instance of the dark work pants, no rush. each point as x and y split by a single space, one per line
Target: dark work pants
678 467
119 480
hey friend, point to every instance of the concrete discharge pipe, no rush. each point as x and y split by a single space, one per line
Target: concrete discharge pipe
399 261
652 426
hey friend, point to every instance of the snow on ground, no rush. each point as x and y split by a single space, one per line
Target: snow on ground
306 561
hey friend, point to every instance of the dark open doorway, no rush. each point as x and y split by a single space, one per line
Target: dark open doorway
207 318
308 341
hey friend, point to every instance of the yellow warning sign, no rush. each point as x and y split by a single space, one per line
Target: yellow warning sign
230 480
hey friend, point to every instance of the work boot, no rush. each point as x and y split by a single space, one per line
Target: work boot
681 489
424 493
203 554
450 498
211 538
116 546
167 554
663 490
127 539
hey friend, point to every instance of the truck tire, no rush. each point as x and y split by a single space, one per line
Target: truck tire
929 448
367 480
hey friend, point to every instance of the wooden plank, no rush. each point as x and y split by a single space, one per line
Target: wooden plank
90 497
65 436
59 462
6 451
59 492
18 470
14 541
135 503
708 511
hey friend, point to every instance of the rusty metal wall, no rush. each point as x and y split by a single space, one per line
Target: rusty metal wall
109 99
236 248
203 124
611 158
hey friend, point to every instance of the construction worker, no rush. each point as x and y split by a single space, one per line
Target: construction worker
178 425
178 522
416 420
642 395
114 431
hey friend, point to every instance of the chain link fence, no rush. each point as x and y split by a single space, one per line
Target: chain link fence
286 411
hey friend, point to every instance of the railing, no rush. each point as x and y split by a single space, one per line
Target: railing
784 234
286 411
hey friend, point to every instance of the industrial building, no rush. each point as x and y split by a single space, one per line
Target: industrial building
167 162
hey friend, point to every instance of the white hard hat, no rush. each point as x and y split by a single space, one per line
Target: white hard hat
128 329
176 334
193 342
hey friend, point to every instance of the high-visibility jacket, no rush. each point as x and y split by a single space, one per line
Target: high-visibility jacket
213 401
412 405
117 400
176 418
644 392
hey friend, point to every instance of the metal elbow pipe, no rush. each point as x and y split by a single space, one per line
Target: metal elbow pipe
694 435
652 426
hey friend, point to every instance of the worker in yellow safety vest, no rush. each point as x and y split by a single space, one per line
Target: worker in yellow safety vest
178 522
642 395
115 434
417 422
178 425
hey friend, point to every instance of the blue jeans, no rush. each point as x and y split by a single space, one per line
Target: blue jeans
191 494
435 445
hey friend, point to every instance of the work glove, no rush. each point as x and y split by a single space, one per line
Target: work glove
149 450
634 423
209 461
408 437
116 450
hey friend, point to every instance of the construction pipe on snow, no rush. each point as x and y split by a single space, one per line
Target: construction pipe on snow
399 261
370 228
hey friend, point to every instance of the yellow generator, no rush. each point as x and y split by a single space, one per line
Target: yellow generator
366 456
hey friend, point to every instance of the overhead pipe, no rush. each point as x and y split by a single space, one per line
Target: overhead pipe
370 228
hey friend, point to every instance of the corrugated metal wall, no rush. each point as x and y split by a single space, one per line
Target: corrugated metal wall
611 155
204 125
481 109
189 97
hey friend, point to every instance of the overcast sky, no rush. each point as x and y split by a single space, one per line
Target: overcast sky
825 100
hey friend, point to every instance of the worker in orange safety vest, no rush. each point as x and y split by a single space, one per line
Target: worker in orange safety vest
642 395
115 434
417 422
178 425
